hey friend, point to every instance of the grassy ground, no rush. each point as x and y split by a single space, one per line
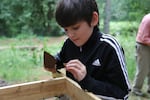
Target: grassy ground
17 66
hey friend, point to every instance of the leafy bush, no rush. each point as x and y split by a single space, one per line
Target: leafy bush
27 17
124 28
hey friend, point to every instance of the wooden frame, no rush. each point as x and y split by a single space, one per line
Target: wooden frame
43 89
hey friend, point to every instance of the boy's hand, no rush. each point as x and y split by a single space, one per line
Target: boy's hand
77 69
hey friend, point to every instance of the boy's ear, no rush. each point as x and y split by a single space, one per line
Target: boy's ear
95 19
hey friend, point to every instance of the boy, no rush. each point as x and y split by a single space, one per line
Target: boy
94 60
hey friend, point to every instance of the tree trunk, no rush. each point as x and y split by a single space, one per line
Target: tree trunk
107 16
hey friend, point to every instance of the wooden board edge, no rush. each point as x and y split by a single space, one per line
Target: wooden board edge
34 90
74 90
44 89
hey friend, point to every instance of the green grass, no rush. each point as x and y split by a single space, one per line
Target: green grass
17 65
128 44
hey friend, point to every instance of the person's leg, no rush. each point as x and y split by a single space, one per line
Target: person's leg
149 70
148 90
142 67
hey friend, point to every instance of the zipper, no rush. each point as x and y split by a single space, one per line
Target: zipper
80 49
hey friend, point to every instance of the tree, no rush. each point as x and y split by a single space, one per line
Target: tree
137 9
28 17
107 15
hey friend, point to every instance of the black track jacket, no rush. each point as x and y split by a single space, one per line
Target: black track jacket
105 63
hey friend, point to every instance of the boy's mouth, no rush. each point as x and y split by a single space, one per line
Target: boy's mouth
74 40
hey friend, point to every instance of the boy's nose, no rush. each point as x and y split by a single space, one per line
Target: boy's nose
70 34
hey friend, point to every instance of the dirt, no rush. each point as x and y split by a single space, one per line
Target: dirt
32 41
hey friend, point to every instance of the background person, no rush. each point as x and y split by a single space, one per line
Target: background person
142 56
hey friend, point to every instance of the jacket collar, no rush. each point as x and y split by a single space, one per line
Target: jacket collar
92 40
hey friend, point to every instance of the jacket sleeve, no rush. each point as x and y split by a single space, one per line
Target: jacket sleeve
115 84
101 88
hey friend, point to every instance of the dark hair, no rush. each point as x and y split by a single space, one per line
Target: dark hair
69 12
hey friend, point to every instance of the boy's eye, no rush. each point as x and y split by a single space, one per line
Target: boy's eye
75 28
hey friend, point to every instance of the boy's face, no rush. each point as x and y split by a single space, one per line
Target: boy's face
79 33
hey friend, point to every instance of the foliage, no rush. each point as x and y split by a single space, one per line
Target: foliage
27 17
37 16
124 28
137 9
126 9
119 10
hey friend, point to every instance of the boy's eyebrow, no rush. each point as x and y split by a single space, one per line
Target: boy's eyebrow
76 24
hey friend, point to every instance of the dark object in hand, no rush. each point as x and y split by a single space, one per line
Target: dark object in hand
49 62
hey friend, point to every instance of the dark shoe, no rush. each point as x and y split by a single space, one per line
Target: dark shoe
148 91
138 93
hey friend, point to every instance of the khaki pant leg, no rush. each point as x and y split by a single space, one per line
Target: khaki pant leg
149 69
142 59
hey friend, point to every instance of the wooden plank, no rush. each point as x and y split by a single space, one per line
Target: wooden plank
33 90
43 89
76 93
